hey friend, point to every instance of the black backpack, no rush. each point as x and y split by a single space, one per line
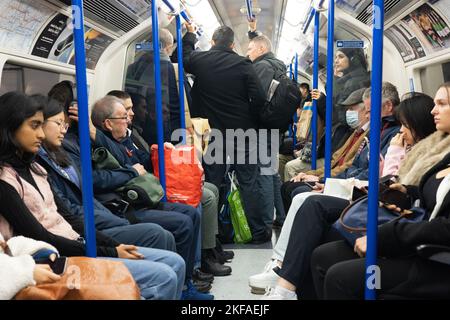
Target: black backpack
279 111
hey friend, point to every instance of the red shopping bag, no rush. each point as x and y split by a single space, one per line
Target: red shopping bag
184 174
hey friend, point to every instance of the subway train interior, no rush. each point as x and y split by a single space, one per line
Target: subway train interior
347 100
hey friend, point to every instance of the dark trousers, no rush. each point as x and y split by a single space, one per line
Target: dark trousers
340 274
183 222
311 228
290 189
244 160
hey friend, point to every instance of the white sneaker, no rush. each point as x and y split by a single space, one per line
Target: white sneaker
278 293
268 278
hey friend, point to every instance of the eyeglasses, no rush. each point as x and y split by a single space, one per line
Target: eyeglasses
118 118
62 125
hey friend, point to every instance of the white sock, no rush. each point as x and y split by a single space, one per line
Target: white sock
286 293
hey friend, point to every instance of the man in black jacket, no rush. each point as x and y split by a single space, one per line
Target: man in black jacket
267 66
227 92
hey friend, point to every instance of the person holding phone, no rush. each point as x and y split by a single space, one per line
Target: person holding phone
18 268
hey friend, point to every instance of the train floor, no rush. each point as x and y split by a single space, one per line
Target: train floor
248 260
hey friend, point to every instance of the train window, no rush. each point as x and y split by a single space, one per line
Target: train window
140 84
433 76
28 80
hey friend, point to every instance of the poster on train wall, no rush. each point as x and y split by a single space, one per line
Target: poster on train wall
406 42
20 22
96 43
45 43
422 32
56 43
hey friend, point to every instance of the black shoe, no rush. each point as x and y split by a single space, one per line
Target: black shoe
218 256
213 267
202 286
228 255
198 275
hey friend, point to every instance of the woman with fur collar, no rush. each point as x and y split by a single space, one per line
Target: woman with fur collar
18 269
339 270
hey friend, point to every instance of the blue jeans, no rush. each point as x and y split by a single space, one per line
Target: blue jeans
183 222
160 275
148 235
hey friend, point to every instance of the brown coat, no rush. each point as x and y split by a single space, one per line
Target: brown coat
348 157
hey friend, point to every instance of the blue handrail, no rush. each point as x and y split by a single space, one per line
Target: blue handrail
83 128
374 152
250 14
308 22
159 113
169 5
291 75
330 77
181 77
312 14
295 114
315 86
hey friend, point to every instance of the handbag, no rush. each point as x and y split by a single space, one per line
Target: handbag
242 233
141 192
184 174
352 223
304 123
87 279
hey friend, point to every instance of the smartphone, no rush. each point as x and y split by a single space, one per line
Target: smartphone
58 266
312 185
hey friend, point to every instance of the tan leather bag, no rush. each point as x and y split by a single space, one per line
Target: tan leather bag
87 279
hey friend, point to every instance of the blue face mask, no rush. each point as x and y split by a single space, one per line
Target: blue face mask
352 118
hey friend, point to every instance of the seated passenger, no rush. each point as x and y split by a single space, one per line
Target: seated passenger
358 120
339 271
326 209
209 200
302 163
66 182
19 270
359 169
32 210
106 181
110 116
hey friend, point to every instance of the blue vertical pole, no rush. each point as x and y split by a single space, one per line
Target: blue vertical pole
330 77
411 85
159 113
295 114
374 152
181 77
291 75
250 15
83 128
315 86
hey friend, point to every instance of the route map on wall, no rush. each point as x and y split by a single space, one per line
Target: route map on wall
20 21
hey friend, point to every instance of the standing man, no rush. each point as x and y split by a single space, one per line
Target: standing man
267 66
227 92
